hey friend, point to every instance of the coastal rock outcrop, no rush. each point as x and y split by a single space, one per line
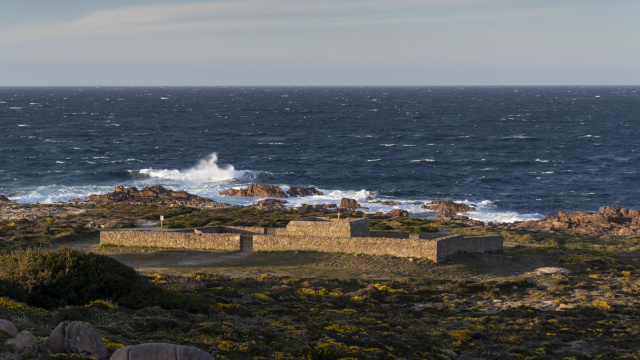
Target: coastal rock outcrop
303 191
272 191
399 212
257 190
607 221
155 194
4 199
347 203
448 207
160 351
269 204
16 211
317 207
75 337
386 202
458 219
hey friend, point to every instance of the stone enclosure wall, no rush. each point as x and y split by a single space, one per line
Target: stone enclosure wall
329 227
172 239
335 235
435 249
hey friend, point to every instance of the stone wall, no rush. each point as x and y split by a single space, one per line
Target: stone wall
329 227
389 234
172 239
357 245
472 244
243 230
209 238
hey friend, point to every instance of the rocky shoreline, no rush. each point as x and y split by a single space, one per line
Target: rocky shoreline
607 221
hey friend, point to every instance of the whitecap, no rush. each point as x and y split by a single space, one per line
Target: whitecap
374 160
387 144
206 169
542 161
423 161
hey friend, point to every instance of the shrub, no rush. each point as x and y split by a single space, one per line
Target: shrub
68 277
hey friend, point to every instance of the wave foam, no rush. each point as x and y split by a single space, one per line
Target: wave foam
206 169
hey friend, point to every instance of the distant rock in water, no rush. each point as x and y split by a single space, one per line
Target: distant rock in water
4 199
607 221
257 190
155 194
448 207
302 191
272 191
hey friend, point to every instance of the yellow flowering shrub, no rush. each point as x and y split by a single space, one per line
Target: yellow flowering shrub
601 305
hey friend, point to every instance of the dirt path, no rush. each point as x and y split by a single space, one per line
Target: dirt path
85 244
146 259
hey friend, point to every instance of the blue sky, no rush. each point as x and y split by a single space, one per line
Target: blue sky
332 42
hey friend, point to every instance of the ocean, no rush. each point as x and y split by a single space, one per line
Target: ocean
516 153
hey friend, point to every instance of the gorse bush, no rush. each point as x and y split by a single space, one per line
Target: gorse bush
65 277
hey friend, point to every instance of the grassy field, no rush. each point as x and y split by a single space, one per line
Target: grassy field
305 305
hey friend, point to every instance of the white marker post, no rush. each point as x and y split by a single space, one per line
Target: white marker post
161 218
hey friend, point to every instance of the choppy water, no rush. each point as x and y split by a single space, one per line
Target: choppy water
515 152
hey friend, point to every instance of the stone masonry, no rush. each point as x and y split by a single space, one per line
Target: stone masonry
311 234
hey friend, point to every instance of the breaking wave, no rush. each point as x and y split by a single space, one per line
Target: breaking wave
206 169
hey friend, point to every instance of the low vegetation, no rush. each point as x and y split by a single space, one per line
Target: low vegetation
65 277
333 306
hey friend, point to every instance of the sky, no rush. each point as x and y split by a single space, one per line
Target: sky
319 42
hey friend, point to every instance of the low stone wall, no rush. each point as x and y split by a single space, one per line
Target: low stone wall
427 235
389 234
472 244
172 239
244 230
433 249
357 245
338 228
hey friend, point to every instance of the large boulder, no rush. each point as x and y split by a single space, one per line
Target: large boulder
303 191
399 212
347 203
4 199
160 351
8 327
257 190
23 341
448 207
75 337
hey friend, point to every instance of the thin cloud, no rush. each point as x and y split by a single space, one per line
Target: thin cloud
236 15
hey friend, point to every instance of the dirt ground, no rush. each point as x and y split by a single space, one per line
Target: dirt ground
513 261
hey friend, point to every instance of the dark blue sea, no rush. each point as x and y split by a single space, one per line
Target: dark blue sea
517 153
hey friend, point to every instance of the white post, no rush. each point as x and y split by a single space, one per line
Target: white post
161 218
